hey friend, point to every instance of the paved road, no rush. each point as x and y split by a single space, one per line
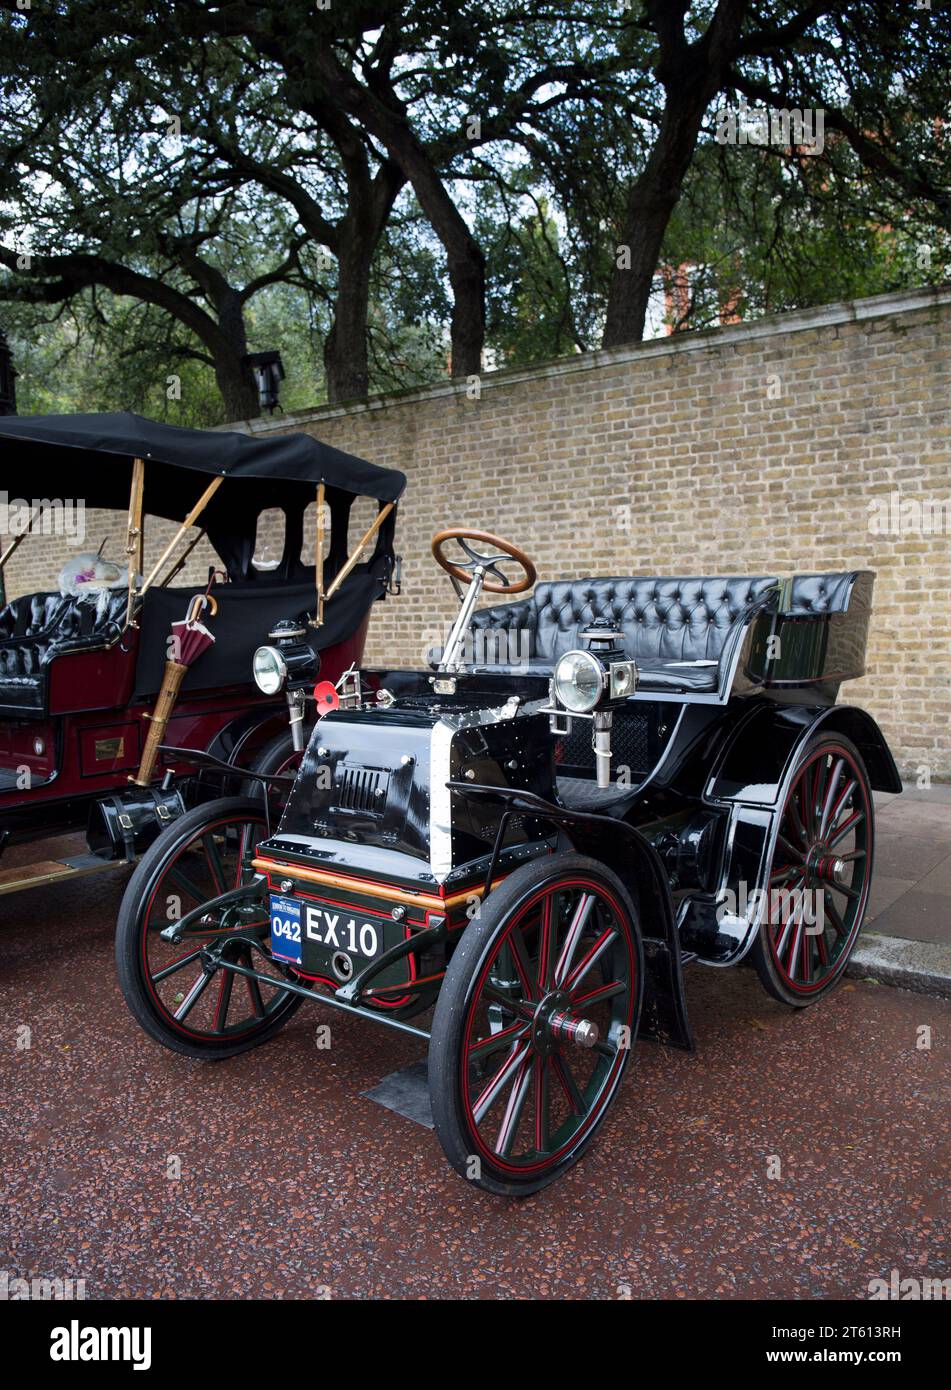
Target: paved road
292 1183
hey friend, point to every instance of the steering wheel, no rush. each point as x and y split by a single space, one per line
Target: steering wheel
464 570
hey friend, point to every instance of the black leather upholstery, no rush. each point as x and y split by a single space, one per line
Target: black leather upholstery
820 593
36 628
669 619
668 624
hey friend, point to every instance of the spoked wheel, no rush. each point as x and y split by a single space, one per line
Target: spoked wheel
179 992
534 1024
820 874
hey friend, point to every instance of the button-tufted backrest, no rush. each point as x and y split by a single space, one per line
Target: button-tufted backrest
35 627
821 593
683 619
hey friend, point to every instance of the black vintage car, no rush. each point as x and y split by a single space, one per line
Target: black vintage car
588 789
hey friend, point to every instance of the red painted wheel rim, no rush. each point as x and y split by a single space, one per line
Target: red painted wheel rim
821 871
277 794
530 1095
223 1007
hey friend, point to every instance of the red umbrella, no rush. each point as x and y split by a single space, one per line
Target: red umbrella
190 637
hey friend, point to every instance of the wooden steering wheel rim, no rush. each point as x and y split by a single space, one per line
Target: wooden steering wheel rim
465 577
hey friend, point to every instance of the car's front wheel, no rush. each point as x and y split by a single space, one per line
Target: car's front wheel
181 992
534 1024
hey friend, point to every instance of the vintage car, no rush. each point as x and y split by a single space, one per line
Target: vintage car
96 675
588 789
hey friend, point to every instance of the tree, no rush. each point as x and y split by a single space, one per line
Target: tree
142 165
97 195
553 150
780 230
532 292
429 83
877 72
244 128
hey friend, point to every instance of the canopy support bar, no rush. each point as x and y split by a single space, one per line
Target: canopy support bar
319 557
189 521
135 539
381 517
12 547
182 560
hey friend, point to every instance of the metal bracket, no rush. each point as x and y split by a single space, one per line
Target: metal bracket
351 991
556 713
349 689
174 932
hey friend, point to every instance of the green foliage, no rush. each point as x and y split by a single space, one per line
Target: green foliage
205 160
75 361
763 231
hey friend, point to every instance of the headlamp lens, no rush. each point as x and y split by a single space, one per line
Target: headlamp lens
270 670
578 681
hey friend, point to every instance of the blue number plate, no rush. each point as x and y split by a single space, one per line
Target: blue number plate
286 929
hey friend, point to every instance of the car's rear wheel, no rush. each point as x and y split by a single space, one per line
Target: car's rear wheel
820 874
278 757
178 992
534 1024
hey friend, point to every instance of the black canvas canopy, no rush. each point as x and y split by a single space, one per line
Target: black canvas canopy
91 456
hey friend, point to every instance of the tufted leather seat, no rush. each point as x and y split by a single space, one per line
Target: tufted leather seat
668 623
31 614
36 628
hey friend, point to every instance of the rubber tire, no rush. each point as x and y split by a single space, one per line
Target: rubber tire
760 954
450 1014
275 752
128 959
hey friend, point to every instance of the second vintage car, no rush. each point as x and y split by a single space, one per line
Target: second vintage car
121 657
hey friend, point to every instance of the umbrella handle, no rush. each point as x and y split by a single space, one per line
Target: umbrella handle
195 608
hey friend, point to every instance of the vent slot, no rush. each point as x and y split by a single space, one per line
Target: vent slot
362 791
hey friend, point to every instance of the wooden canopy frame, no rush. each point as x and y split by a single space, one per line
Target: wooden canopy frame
352 559
135 535
135 542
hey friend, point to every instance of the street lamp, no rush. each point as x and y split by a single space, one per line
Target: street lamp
8 376
268 373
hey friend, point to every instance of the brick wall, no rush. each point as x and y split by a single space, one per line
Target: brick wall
37 562
753 448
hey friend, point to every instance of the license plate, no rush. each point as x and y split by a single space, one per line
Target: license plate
286 940
297 925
